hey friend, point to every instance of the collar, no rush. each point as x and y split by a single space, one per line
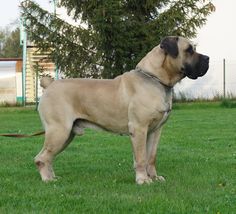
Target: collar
153 77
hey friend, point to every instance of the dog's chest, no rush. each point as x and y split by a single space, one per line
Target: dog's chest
158 121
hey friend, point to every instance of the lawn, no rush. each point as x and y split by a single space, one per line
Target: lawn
197 156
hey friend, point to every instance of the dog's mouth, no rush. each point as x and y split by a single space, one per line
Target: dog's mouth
199 70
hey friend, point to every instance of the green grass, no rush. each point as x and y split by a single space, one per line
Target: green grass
197 156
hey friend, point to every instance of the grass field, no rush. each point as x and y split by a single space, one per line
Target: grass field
197 156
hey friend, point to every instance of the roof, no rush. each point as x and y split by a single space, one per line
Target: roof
10 59
8 66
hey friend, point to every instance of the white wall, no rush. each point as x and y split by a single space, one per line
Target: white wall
7 82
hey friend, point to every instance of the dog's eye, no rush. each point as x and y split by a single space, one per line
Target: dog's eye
190 50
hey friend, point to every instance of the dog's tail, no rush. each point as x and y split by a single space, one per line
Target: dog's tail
45 82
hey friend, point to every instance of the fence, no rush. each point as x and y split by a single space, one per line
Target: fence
220 81
211 86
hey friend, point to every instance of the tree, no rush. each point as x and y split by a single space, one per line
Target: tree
10 43
117 35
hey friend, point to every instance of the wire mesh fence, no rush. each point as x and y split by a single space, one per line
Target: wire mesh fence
220 81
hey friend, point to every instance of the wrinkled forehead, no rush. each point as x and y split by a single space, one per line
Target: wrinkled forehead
184 43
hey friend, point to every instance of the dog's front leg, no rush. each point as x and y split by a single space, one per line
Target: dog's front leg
152 145
138 137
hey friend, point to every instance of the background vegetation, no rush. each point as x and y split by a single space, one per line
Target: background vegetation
10 43
196 156
111 36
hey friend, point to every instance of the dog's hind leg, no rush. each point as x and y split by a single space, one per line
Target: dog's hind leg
56 140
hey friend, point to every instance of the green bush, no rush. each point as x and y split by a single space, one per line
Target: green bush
228 103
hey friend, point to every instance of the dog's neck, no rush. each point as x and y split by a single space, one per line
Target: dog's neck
152 77
155 63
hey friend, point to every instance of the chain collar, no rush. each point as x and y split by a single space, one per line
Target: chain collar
152 76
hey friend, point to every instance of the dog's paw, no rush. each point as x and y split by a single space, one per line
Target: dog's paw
53 179
145 180
48 179
159 178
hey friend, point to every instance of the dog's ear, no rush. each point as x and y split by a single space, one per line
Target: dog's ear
170 46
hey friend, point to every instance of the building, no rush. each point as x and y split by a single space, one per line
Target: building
45 66
10 80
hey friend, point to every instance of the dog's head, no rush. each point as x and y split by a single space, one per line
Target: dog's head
182 57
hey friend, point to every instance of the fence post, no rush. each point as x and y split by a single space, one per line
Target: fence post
36 87
224 78
23 42
55 14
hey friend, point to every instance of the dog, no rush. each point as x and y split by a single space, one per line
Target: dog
136 103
